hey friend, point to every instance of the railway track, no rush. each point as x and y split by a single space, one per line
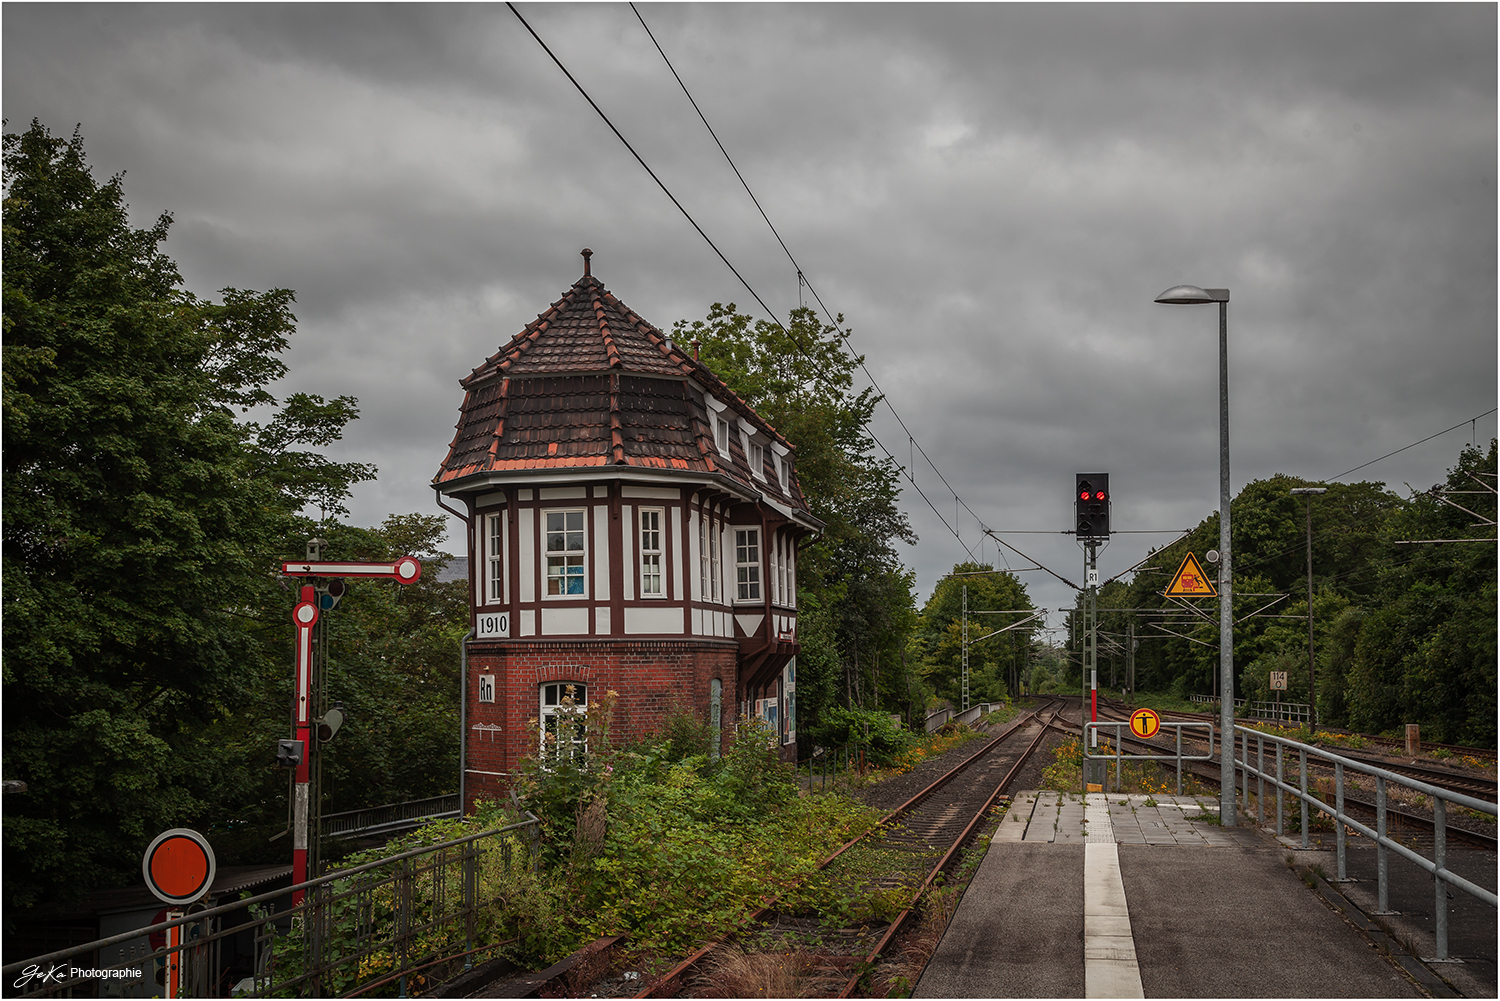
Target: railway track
918 841
1422 825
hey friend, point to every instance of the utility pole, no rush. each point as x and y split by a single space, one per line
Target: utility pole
966 649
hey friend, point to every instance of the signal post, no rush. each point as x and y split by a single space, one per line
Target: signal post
1091 510
297 752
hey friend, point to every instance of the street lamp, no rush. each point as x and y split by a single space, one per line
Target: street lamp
1190 295
1312 691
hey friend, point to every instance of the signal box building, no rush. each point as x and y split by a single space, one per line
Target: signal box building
632 526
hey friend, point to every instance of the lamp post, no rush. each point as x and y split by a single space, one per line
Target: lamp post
1189 295
1312 691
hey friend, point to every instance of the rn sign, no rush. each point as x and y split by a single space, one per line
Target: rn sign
486 688
492 625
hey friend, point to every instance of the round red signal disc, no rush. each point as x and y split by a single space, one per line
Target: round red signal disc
408 570
179 866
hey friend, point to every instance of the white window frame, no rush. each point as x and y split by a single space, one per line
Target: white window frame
747 564
716 565
757 455
572 557
703 584
653 575
780 571
553 714
791 576
494 564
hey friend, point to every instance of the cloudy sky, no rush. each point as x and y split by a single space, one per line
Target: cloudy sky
992 195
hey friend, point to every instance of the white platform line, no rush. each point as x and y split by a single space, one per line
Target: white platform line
1110 969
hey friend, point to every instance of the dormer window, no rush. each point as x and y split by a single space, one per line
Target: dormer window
757 461
721 436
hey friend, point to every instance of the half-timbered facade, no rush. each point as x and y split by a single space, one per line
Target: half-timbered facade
632 526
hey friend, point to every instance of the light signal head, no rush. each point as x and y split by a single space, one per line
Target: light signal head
1092 505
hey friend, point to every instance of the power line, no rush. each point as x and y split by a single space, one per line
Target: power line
688 216
803 280
1414 444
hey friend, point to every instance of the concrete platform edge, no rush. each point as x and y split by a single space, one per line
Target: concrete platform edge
1418 972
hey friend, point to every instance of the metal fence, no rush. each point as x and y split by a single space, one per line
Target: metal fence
968 715
382 819
1287 712
1091 741
426 911
1309 802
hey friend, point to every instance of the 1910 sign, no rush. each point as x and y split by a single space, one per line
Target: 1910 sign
492 625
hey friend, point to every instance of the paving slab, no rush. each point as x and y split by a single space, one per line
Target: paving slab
1144 900
1018 931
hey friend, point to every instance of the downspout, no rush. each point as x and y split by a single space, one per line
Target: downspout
463 661
463 719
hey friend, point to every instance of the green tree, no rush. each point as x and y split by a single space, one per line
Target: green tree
800 378
996 662
1426 651
142 520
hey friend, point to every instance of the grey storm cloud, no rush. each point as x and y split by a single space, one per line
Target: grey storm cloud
992 195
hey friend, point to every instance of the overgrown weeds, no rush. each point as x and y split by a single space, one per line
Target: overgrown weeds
730 972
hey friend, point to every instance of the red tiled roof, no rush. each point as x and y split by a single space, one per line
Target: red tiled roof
590 383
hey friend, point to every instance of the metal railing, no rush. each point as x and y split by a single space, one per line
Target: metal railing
1091 741
1342 821
1281 712
1291 712
381 819
353 931
969 715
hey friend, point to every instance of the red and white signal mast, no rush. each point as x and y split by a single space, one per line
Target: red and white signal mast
1091 506
406 570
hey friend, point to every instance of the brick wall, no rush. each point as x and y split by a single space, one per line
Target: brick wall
652 677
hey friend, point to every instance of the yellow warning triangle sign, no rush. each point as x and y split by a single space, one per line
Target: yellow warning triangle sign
1191 581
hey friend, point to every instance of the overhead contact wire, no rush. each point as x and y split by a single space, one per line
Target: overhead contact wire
693 222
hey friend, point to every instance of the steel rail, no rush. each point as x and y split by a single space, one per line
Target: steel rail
1210 771
900 920
663 982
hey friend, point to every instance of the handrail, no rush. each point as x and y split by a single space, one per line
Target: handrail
1437 865
320 893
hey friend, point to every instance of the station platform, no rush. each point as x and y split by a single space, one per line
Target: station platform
1116 895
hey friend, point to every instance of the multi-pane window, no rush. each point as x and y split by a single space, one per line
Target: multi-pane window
703 585
747 563
715 572
563 729
721 436
565 553
651 579
780 574
757 461
494 568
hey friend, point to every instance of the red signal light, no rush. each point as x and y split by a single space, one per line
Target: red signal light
1099 495
1084 496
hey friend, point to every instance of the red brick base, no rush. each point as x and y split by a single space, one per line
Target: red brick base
651 677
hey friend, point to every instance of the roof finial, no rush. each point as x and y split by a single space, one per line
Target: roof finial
587 253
